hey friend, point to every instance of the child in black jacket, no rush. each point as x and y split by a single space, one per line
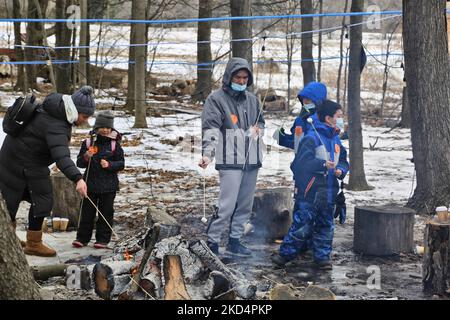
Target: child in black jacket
102 156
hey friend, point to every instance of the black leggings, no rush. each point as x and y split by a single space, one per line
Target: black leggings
34 223
105 202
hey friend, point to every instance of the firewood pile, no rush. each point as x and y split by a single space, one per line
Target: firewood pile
156 264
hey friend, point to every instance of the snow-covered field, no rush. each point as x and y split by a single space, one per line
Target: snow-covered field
387 167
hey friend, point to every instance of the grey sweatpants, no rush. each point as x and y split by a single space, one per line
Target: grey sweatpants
237 190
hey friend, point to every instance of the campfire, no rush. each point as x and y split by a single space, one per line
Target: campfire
159 264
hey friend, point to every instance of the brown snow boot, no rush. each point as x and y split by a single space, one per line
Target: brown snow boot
22 243
35 247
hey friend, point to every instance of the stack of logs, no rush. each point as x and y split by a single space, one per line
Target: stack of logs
157 263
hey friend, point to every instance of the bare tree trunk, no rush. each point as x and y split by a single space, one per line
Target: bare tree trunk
16 280
344 98
241 29
31 54
44 41
309 72
427 79
22 82
291 9
204 72
405 121
82 67
63 34
341 53
138 13
386 71
131 76
357 180
319 62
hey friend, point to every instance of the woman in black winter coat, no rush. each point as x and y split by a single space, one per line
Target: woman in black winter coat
24 161
102 156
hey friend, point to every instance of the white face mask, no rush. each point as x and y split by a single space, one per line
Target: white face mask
309 106
340 124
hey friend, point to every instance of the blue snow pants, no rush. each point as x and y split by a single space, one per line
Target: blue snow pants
312 228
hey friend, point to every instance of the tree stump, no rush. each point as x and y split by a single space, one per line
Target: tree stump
66 201
384 230
272 212
435 268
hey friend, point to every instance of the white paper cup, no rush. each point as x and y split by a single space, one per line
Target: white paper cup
64 224
56 223
441 213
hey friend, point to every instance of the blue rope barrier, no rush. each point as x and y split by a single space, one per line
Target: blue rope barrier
332 29
185 63
197 20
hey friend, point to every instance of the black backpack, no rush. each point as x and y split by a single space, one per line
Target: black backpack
20 114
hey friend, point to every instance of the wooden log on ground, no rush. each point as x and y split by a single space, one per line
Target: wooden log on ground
383 230
43 273
175 288
193 267
168 225
103 278
105 273
243 288
218 287
66 201
272 212
435 267
152 281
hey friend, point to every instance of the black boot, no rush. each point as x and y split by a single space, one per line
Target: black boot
323 264
279 260
235 247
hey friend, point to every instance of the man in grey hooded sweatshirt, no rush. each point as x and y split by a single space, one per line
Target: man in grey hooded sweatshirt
232 126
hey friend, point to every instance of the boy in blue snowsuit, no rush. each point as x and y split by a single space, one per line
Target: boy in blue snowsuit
312 95
320 161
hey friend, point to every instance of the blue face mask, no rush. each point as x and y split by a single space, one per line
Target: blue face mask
340 124
238 87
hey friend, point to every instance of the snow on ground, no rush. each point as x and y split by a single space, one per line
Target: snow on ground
387 167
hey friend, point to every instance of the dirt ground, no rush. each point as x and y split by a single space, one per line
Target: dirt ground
400 276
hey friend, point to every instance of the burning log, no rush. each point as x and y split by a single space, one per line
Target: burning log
168 227
243 288
435 268
130 292
272 212
175 288
192 266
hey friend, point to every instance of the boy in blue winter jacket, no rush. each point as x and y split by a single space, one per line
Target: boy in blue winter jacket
320 161
312 96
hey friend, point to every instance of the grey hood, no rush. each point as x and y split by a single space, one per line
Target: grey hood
234 65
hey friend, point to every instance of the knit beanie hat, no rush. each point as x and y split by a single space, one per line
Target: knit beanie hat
84 101
104 119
